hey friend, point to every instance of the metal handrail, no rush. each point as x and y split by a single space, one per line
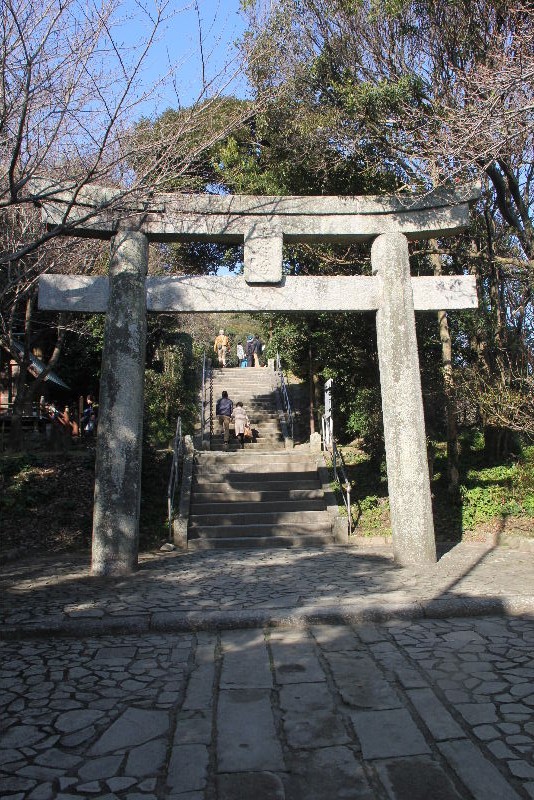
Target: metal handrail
206 397
285 394
176 472
211 399
202 398
338 465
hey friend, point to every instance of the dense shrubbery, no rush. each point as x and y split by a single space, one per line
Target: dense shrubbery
497 497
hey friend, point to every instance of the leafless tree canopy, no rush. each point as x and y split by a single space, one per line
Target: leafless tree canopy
70 100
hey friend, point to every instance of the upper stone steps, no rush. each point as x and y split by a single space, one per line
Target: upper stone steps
256 389
260 444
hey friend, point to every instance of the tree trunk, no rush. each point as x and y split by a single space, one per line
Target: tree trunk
448 386
498 443
450 403
16 438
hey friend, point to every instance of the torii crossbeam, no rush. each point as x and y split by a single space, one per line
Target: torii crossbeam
262 224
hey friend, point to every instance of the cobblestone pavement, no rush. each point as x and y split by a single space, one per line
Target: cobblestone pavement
405 710
221 676
255 588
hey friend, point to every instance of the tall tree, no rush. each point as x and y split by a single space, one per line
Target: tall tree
429 93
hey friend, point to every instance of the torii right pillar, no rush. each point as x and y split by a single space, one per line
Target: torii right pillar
410 501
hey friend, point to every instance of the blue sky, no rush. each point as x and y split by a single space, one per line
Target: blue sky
177 50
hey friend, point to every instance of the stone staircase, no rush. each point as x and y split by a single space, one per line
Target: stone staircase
264 495
256 389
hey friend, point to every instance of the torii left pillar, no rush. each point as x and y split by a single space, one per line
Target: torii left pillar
120 421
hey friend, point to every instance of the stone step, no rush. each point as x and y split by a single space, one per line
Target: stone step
248 392
288 457
244 373
246 508
268 423
260 431
237 478
259 416
238 384
318 518
257 447
264 443
273 435
256 407
211 486
244 379
270 471
264 529
208 493
249 400
261 541
261 387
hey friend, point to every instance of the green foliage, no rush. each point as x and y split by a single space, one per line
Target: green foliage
374 517
170 391
487 496
15 480
81 356
365 420
376 99
238 166
202 258
190 130
153 524
289 339
386 8
498 491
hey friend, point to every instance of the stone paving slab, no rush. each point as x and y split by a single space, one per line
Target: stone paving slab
402 710
254 589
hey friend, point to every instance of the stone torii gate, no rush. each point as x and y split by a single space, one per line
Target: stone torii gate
262 224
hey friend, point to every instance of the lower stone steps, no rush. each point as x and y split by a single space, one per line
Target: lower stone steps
257 499
270 540
248 511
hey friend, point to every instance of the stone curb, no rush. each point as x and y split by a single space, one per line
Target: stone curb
348 614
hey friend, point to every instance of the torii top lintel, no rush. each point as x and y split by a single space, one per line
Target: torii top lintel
261 223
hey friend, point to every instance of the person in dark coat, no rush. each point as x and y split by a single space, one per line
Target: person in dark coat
249 350
224 410
257 350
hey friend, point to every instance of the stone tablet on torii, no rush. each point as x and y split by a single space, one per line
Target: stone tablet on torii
262 225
